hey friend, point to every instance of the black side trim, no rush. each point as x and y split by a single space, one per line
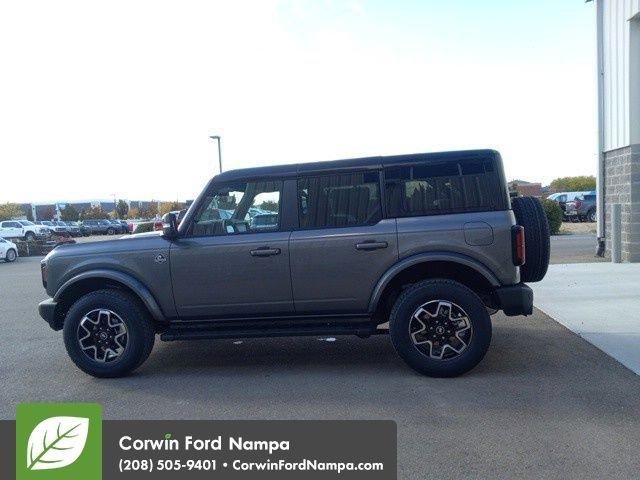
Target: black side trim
268 328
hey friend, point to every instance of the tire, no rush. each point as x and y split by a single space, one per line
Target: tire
29 237
530 214
591 215
402 323
10 256
139 329
110 231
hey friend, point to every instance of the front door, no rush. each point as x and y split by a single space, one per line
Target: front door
230 262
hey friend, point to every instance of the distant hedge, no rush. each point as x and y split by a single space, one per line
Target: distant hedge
144 227
554 215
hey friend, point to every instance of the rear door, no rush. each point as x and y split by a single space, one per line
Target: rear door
343 245
223 266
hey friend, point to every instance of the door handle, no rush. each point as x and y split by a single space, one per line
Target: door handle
371 245
265 252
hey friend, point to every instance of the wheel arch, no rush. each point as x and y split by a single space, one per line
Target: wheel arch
448 265
92 280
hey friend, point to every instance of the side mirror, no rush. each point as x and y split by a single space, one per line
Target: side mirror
169 226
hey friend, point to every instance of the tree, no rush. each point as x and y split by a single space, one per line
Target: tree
122 209
166 207
269 205
93 213
10 210
28 213
133 213
48 214
150 210
70 214
573 184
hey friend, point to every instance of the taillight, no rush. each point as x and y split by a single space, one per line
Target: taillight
578 203
517 241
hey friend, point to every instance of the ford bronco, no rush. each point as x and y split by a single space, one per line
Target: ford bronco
424 247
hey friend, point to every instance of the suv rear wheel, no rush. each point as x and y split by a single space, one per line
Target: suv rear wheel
108 333
440 328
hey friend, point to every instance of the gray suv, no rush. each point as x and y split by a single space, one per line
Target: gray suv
422 247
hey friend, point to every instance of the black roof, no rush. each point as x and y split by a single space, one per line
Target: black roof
365 163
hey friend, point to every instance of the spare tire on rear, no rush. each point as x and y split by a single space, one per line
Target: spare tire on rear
530 214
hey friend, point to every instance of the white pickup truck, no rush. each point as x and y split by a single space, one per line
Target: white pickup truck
23 229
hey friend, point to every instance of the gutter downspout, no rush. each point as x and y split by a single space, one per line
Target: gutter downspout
600 180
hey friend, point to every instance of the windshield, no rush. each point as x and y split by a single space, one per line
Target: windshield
26 223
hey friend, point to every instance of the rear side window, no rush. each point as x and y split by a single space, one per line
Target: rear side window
433 189
339 200
590 198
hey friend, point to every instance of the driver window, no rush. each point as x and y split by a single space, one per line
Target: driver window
231 209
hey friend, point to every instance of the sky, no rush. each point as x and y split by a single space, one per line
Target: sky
119 98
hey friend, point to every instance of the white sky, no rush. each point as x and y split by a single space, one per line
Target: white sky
119 97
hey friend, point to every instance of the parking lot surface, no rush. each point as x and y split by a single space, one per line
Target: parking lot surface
575 248
543 404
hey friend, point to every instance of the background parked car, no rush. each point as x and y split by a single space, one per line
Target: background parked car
100 227
59 228
46 223
117 226
264 221
32 231
583 208
8 250
21 229
563 197
11 229
74 229
124 225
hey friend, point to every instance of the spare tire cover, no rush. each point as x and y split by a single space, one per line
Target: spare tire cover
530 214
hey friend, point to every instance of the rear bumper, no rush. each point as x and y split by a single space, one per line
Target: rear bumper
515 299
47 311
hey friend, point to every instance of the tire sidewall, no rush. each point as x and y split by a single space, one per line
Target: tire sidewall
10 256
452 292
130 315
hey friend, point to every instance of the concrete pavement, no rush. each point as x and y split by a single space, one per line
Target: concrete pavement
600 302
576 248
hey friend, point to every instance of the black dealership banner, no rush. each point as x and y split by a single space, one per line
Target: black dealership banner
184 449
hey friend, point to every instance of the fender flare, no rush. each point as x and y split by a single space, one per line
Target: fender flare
135 285
405 263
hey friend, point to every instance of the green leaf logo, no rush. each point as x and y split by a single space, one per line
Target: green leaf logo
56 442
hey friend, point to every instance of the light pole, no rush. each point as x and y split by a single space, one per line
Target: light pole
217 137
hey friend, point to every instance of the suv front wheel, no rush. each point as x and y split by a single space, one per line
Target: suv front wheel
440 328
108 333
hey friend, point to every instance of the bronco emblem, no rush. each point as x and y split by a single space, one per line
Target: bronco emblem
160 258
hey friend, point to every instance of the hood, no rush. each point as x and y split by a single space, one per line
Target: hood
127 244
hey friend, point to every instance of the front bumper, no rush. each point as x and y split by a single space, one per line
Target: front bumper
47 310
515 299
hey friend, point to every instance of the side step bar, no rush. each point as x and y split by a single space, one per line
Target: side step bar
212 329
